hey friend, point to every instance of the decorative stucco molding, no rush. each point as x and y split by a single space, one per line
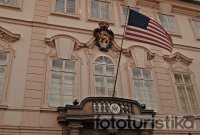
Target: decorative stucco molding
8 36
165 8
150 55
51 41
131 3
177 57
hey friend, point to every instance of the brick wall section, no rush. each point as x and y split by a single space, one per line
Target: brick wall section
165 87
37 57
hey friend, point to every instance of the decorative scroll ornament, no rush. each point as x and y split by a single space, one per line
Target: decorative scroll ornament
103 37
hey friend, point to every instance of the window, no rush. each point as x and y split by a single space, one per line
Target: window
3 61
143 90
104 76
124 13
186 94
9 2
100 10
62 82
168 23
196 25
66 6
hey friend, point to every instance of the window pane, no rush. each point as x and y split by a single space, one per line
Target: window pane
100 91
2 69
110 82
57 65
12 2
60 6
146 73
148 85
69 79
99 69
187 79
94 9
171 24
69 66
68 90
3 57
136 73
178 78
54 100
183 99
110 70
99 59
67 100
192 99
2 1
163 21
168 22
56 77
99 81
71 6
1 84
197 28
55 87
105 13
138 85
107 60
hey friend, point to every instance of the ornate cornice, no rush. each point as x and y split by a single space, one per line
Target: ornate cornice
177 57
8 36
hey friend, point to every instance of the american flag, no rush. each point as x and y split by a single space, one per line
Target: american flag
141 28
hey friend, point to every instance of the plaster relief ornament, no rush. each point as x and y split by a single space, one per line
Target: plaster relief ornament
103 36
114 108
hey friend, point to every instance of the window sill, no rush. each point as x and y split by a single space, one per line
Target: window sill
8 6
49 109
75 16
3 106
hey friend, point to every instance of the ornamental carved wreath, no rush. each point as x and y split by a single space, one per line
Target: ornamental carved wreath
103 37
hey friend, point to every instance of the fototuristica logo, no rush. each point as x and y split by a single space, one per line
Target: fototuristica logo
169 122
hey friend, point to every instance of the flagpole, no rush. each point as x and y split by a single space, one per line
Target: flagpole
120 54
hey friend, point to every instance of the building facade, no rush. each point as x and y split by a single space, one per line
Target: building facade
53 52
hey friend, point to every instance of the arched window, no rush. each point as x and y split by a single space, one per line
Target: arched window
104 76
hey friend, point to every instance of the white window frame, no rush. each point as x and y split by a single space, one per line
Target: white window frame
177 33
62 81
104 75
75 14
100 18
197 33
184 84
155 108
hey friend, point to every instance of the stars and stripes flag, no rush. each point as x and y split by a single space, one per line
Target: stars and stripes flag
141 28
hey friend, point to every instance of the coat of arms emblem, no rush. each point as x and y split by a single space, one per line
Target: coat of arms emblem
103 36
